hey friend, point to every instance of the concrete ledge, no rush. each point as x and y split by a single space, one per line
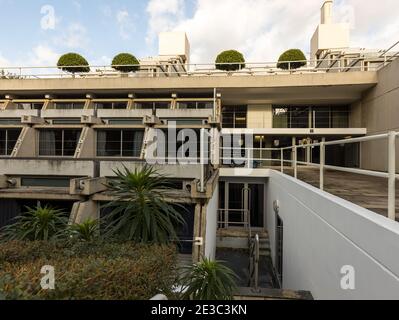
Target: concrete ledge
271 294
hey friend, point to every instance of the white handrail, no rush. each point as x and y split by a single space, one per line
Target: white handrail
391 174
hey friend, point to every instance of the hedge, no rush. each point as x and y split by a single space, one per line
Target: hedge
230 56
67 62
102 271
292 55
125 62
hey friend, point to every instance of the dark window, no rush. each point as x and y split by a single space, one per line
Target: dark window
119 143
58 142
30 106
110 105
153 105
69 105
234 117
8 139
195 105
310 117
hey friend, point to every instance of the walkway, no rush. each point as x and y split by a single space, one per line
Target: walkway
366 191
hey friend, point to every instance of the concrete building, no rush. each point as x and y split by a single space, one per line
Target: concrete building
61 137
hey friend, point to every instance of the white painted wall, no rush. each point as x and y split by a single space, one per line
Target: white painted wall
211 224
322 233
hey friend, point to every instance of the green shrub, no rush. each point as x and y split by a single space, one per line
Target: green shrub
230 56
140 211
68 61
125 62
86 231
39 223
208 280
102 271
295 55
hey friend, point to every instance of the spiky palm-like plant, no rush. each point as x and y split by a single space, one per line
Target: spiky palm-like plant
37 224
87 231
140 211
208 280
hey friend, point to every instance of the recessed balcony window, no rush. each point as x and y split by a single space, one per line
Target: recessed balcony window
29 106
195 105
152 105
58 142
110 105
119 143
234 117
8 139
68 105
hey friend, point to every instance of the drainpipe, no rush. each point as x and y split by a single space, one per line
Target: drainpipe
202 159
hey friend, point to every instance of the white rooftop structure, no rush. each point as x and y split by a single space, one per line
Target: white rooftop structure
329 35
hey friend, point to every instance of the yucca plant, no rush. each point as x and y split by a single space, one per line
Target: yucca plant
37 224
208 280
140 211
87 231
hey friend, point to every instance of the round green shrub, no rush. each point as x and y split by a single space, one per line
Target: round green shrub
230 56
67 62
125 62
292 55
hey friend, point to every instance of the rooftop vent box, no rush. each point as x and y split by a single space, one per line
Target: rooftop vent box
174 44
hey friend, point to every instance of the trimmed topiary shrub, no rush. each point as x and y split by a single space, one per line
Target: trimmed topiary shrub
68 61
125 62
295 55
86 271
230 56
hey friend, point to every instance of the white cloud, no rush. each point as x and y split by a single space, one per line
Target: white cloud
3 61
263 29
164 15
74 37
125 24
43 55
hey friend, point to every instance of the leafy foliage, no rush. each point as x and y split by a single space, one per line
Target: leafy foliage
295 55
208 280
106 271
86 231
39 223
125 62
140 211
230 56
73 62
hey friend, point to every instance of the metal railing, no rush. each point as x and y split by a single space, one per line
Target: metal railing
254 254
197 69
390 174
236 218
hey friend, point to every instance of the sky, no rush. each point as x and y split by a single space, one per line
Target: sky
36 33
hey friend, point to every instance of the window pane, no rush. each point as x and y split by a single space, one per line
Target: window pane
280 117
322 117
71 139
132 142
340 118
3 142
299 117
13 135
50 143
109 143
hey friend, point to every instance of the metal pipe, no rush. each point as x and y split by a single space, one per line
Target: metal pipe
202 160
391 174
322 163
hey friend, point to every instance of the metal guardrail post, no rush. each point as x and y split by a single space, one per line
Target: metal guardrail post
282 160
322 163
294 150
391 174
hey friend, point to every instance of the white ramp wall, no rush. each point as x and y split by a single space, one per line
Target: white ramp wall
211 224
323 233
